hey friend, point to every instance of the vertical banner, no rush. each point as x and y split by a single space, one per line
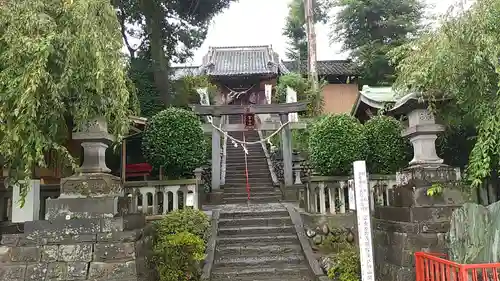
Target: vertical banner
268 91
204 99
291 96
364 221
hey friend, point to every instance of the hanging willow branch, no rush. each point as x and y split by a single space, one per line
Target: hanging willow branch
60 65
461 61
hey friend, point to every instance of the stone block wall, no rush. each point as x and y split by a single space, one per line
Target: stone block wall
80 249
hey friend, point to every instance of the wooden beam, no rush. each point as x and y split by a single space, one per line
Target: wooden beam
124 160
219 110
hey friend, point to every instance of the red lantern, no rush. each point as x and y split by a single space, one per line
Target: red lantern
249 121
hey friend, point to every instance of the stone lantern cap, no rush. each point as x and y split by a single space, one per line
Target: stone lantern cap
95 131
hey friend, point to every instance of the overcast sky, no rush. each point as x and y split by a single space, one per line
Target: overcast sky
260 22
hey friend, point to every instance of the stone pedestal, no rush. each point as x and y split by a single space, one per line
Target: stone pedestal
88 233
415 222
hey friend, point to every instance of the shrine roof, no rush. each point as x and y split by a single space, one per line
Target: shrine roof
243 60
325 67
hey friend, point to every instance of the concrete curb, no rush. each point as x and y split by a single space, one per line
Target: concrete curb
211 245
304 243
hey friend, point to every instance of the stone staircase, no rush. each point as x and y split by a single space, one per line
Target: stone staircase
256 239
258 242
259 177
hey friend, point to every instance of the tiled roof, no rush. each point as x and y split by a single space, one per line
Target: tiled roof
245 60
325 67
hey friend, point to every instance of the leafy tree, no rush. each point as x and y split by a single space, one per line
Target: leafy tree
369 29
335 141
168 30
60 65
173 139
295 27
460 60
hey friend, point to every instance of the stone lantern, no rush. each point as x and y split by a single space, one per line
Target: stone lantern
415 221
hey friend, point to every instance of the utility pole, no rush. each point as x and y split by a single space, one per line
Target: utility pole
311 42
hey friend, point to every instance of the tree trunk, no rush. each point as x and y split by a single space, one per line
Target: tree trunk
154 26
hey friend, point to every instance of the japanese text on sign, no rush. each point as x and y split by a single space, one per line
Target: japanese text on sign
364 222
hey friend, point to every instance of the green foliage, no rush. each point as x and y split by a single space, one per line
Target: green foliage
451 62
370 29
455 145
295 29
186 220
347 266
305 92
335 142
435 190
173 139
60 66
149 98
387 150
185 90
179 245
177 257
168 31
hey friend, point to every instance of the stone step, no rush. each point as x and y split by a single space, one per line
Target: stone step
250 213
256 221
244 239
251 180
256 230
290 272
267 260
242 187
241 160
252 193
242 166
253 250
253 199
242 173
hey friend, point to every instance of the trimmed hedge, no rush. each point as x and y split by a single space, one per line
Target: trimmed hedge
179 245
335 142
387 149
173 139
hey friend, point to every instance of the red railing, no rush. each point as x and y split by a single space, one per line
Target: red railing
435 267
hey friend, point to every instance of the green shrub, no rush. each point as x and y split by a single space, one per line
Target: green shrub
347 266
188 220
179 245
335 142
387 149
173 139
177 257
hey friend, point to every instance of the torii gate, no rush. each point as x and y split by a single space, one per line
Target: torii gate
282 109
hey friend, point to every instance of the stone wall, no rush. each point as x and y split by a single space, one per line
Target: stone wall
79 249
416 222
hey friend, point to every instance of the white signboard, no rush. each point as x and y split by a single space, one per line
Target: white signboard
364 221
268 91
190 200
291 96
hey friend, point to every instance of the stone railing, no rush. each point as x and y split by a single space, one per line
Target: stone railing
162 197
34 205
334 195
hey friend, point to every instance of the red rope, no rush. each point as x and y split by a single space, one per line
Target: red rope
246 170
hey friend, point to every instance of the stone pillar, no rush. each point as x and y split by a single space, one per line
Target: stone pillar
216 161
415 221
88 234
286 145
31 209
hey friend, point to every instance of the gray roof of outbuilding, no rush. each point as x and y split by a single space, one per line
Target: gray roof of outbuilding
325 67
